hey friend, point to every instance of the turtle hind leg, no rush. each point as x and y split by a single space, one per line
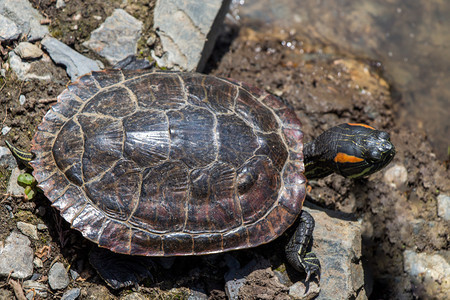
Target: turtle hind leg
119 270
299 243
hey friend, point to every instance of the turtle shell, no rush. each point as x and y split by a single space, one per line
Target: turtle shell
167 163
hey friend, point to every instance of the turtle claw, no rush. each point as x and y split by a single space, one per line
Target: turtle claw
311 265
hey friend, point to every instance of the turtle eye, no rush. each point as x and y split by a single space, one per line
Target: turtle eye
374 155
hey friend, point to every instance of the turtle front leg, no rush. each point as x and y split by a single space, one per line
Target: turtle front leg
298 244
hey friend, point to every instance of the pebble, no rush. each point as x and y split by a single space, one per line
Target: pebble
28 229
60 3
22 99
74 274
36 287
38 262
396 176
8 29
58 277
28 50
7 160
134 296
197 295
23 69
41 227
117 37
300 291
443 204
13 187
71 294
27 18
17 256
6 130
189 38
76 63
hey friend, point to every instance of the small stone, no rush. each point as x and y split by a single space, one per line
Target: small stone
300 291
28 229
197 295
443 205
39 288
74 274
22 99
7 160
41 227
117 37
8 29
37 262
30 70
71 294
3 73
134 296
13 187
16 256
58 277
151 39
6 130
28 50
396 176
60 3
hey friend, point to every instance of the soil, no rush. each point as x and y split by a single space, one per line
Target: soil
324 86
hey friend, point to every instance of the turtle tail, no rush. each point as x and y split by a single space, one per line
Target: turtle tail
22 156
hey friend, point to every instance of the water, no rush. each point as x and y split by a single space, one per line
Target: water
410 38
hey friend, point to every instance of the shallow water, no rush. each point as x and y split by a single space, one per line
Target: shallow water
411 39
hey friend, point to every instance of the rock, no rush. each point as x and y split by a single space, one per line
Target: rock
28 229
300 290
7 160
39 288
29 70
16 256
430 271
337 243
6 130
60 3
117 37
58 277
8 30
189 37
134 296
13 187
22 99
396 176
76 63
41 227
37 262
28 50
71 294
443 204
197 295
27 18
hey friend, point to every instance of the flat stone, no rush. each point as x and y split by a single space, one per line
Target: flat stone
337 243
29 70
28 229
117 37
8 29
71 294
57 277
300 290
41 227
7 159
16 256
39 288
28 50
443 204
188 39
13 187
6 130
431 271
396 176
27 18
76 63
37 262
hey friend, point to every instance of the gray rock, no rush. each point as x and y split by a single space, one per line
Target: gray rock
444 206
29 70
8 29
16 256
300 290
74 274
134 296
197 295
71 294
117 37
28 229
37 262
25 16
58 277
60 3
22 99
76 63
28 50
13 187
6 130
39 288
396 176
189 37
41 227
431 271
339 251
7 159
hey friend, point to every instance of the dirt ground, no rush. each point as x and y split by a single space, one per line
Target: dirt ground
325 87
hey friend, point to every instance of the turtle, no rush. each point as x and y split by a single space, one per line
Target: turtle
150 163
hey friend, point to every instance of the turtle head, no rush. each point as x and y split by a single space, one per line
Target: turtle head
352 150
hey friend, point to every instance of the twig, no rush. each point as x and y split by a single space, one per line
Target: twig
48 100
17 287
